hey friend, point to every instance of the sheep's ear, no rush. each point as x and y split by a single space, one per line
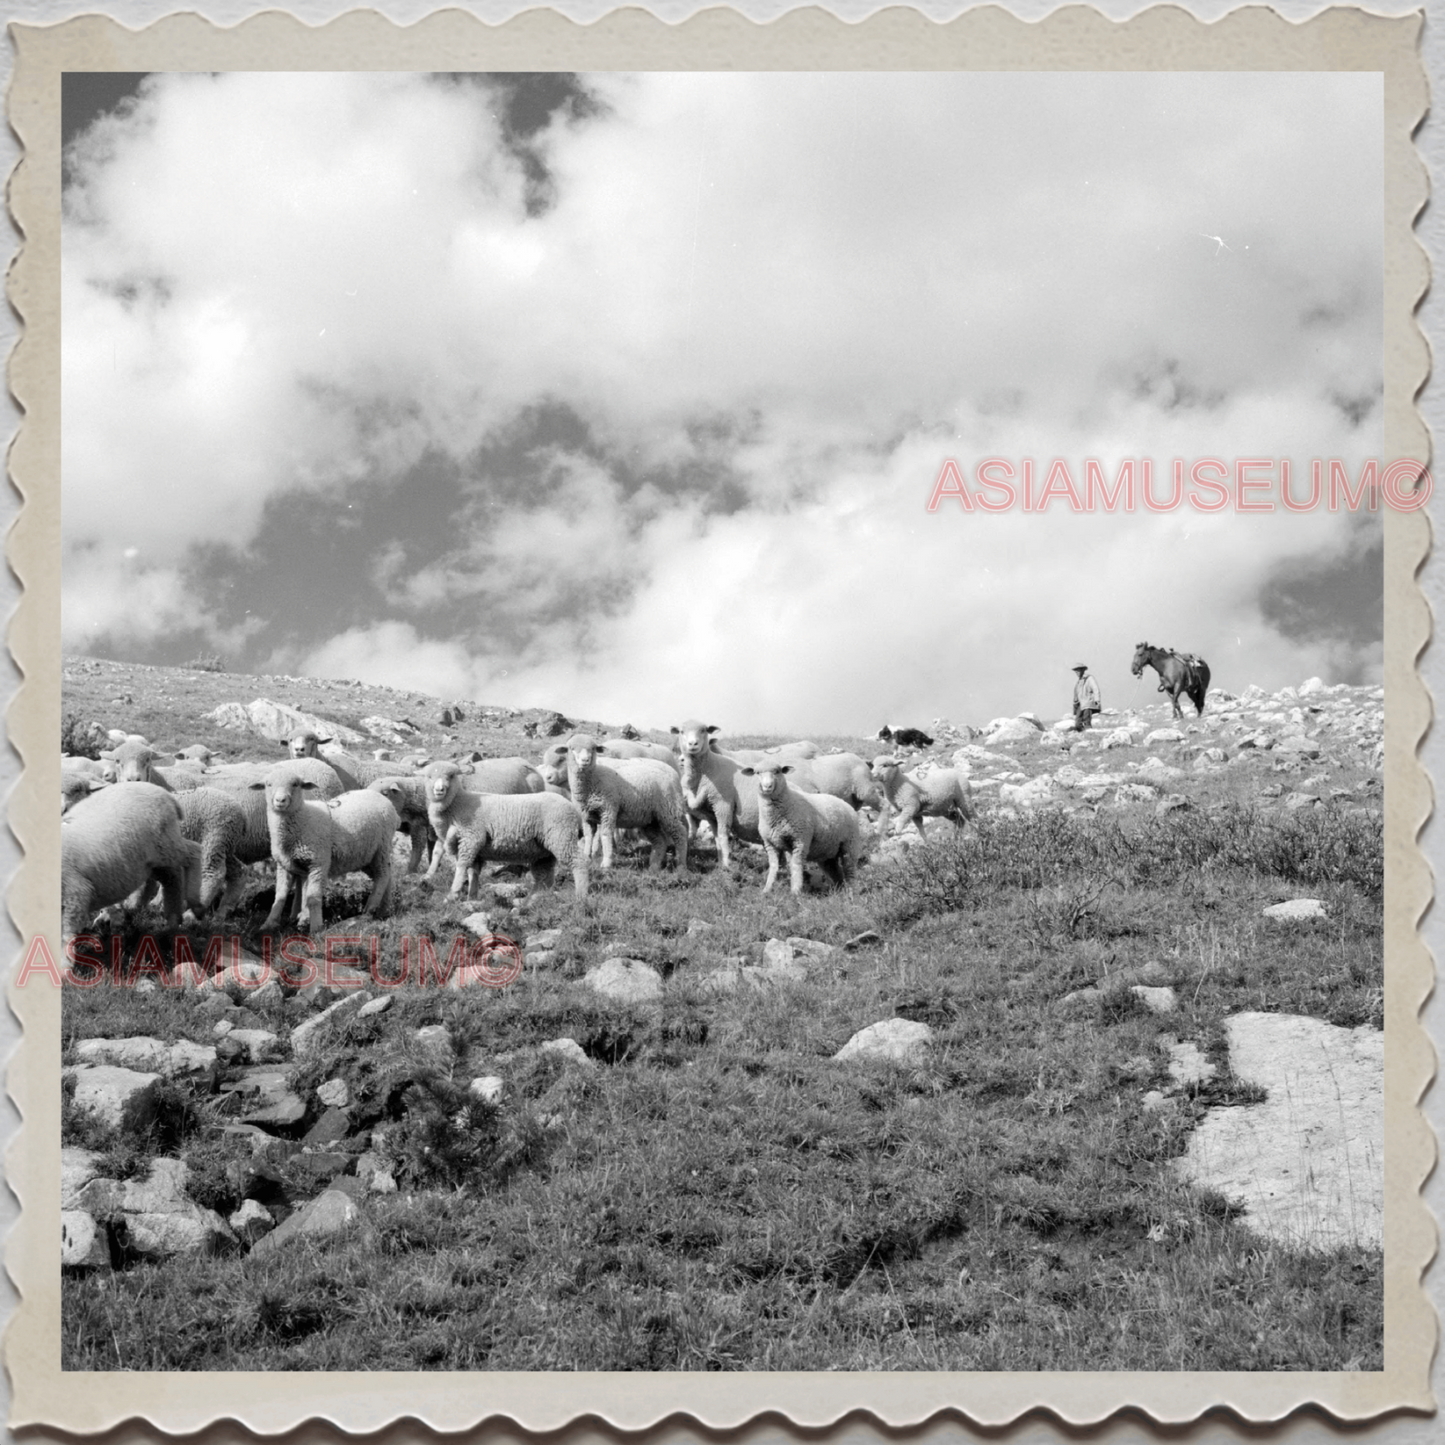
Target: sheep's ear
600 748
676 732
325 740
308 784
96 784
749 771
106 756
254 786
784 768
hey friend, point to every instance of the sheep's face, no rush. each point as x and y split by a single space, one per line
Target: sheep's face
76 789
442 782
885 769
581 754
303 745
285 792
392 792
133 764
772 782
694 739
553 773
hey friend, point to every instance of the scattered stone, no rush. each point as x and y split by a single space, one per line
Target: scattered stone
538 958
698 926
1301 800
77 1169
1156 1000
1299 746
1011 730
251 1221
1135 793
222 1028
83 1244
258 1045
548 938
325 1217
268 996
1296 909
1172 803
1153 972
1156 1102
1079 996
119 1097
153 1217
376 1006
626 980
570 1051
509 892
812 947
479 923
488 1088
262 1096
905 1041
1187 1065
1164 735
383 1182
334 1094
306 1037
436 1039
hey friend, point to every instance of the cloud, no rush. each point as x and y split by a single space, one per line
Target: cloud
630 405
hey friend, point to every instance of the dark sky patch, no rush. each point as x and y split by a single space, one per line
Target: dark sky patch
1339 598
85 96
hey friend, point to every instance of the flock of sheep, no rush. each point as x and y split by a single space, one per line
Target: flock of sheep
133 822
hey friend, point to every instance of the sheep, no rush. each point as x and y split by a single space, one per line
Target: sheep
113 844
196 753
943 793
618 750
408 795
305 744
245 775
139 763
634 793
75 787
216 821
539 829
845 776
904 737
817 828
487 775
357 772
349 834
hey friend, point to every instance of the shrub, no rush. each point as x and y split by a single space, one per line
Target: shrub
79 738
207 663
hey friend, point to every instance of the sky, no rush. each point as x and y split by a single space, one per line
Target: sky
626 394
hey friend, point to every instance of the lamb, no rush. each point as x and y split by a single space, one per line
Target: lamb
305 744
349 834
216 821
196 753
815 828
943 793
80 777
539 829
618 750
486 775
904 737
632 793
113 844
408 795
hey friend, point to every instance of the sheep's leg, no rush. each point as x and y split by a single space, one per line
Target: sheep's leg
544 873
438 850
418 833
796 861
607 825
283 896
464 877
173 890
579 874
380 884
679 843
885 816
909 813
772 868
314 894
658 839
235 885
847 866
722 824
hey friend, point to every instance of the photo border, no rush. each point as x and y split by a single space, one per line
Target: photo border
990 39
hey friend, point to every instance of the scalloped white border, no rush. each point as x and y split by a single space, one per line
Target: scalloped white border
543 39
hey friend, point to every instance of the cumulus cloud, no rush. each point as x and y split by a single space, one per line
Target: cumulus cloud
693 352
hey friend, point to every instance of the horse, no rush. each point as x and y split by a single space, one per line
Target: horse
1178 672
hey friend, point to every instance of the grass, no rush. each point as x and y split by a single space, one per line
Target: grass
717 1193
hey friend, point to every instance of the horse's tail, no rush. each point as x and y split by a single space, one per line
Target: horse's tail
1199 685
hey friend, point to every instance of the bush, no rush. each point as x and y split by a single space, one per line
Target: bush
210 663
81 739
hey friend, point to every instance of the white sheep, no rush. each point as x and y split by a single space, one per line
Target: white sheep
140 763
809 828
408 795
80 777
943 793
216 821
845 776
638 793
196 753
317 841
539 829
113 844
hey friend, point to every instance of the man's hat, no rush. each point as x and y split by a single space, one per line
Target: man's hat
1082 667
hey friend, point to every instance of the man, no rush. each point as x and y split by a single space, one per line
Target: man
1086 699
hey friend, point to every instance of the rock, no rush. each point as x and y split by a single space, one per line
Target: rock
1155 1102
268 996
1310 687
862 940
508 892
1135 793
812 947
1153 972
1012 730
1029 794
307 1172
278 722
488 1088
538 957
1164 735
262 1096
334 1094
148 1055
1188 1066
376 1006
699 926
570 1051
1120 738
1155 769
1172 804
1079 996
251 1221
479 923
222 1028
1157 1000
626 980
77 1169
1296 909
383 1182
154 1218
241 978
258 1045
548 938
902 1040
306 1038
83 1244
327 1216
1293 801
1298 746
120 1098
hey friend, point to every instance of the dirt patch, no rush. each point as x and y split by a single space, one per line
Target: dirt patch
1308 1163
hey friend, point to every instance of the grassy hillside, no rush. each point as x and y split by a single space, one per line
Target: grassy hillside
711 1189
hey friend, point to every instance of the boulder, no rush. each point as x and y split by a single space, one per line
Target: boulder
904 1041
258 1046
333 1094
154 1218
376 1006
277 721
83 1244
1156 1000
1296 910
148 1055
251 1221
1012 730
488 1088
120 1098
1163 735
306 1037
625 980
328 1215
778 960
570 1051
263 1096
478 924
1298 745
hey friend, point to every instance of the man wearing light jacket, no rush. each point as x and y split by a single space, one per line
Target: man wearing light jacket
1086 699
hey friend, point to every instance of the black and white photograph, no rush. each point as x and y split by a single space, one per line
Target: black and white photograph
723 721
